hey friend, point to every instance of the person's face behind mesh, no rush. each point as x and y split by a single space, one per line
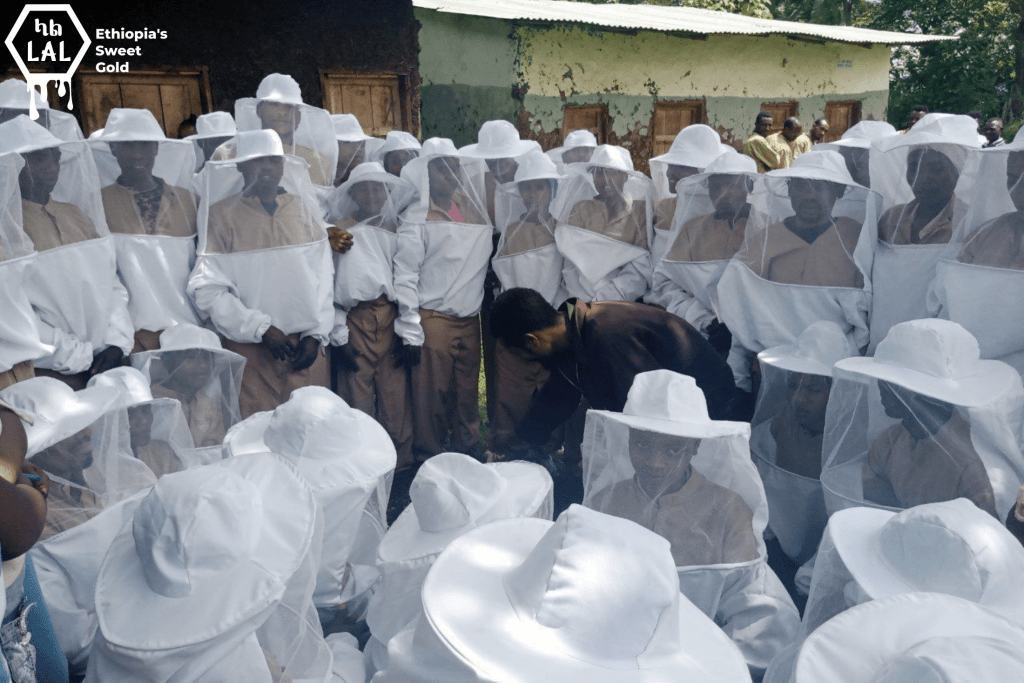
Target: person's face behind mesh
808 394
68 459
140 425
262 175
661 461
856 159
136 159
577 155
280 117
503 170
728 193
536 194
609 182
190 370
351 153
395 160
369 196
676 172
813 199
443 175
1015 179
931 175
40 174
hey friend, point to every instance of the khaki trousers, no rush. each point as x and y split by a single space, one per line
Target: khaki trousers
517 381
20 372
267 382
444 385
378 388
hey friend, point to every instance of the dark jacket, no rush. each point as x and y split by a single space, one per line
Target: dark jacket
610 343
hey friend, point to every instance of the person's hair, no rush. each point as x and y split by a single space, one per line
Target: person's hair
921 108
763 115
518 312
821 120
999 121
791 122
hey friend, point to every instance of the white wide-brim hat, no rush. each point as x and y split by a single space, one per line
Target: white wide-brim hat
944 130
818 165
347 128
671 403
370 171
57 410
134 388
23 135
536 166
498 140
588 597
279 88
269 543
936 358
398 139
695 146
253 144
131 125
951 547
216 124
815 351
861 135
612 157
913 638
185 336
16 94
579 138
471 495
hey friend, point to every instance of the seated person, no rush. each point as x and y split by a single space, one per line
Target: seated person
719 235
928 219
999 243
799 427
926 457
611 212
187 375
705 523
810 247
48 222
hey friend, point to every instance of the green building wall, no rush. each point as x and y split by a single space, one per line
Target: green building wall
476 68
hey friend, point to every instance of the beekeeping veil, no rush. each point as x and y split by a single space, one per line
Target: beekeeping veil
604 228
665 465
154 231
806 256
711 214
924 420
15 99
527 255
855 147
912 173
579 145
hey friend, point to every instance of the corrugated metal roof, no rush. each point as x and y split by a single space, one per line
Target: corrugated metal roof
658 18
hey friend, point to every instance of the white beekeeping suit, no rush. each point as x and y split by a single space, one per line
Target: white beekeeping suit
305 131
500 147
153 226
979 278
191 367
604 228
588 597
19 327
212 131
72 282
451 495
921 638
787 432
855 146
159 433
711 214
950 548
663 464
212 581
924 420
354 146
692 150
82 441
399 148
579 145
15 100
917 175
806 256
260 268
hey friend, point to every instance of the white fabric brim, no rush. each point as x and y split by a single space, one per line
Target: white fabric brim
692 160
992 379
694 430
516 150
386 178
465 601
779 357
76 417
122 593
526 487
855 533
246 437
815 174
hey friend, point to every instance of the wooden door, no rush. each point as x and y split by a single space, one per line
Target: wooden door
841 116
375 99
672 117
172 94
592 117
780 112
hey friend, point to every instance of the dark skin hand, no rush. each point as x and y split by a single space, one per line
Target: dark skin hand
346 356
406 356
305 353
107 359
339 239
278 343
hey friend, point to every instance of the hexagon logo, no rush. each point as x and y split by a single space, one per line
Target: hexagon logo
48 37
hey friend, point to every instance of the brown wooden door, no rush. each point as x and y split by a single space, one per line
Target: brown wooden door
672 117
841 116
374 99
592 117
780 112
172 95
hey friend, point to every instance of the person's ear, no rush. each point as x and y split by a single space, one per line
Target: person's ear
531 342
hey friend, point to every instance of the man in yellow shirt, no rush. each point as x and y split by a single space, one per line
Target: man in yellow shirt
790 142
757 146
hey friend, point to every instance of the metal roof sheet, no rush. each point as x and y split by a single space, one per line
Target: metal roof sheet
659 18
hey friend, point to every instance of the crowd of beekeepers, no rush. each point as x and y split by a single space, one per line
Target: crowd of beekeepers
755 416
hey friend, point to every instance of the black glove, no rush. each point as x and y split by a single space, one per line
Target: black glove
719 337
406 355
345 357
107 359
